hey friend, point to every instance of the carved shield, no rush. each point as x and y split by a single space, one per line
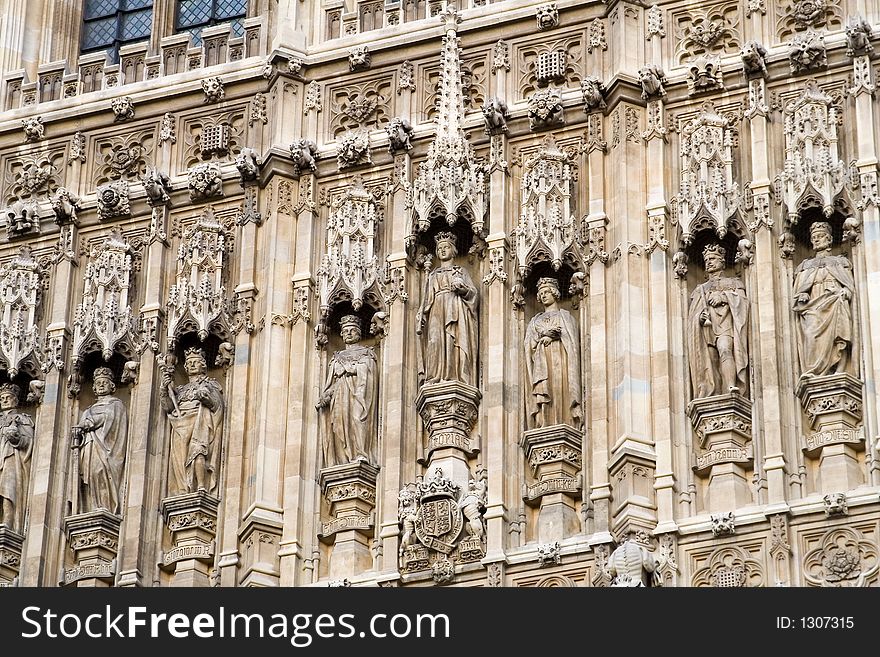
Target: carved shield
438 524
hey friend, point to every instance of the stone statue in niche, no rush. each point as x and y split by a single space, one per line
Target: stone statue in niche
101 437
447 319
195 410
16 444
717 330
823 292
552 363
631 565
348 400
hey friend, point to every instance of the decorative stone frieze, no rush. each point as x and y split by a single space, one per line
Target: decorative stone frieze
93 538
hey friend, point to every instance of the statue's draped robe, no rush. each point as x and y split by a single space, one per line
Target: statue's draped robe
825 322
102 455
731 319
450 331
350 421
15 464
554 395
196 430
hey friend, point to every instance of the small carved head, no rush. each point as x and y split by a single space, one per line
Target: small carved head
713 257
547 16
821 236
102 381
446 245
548 290
9 395
350 329
195 361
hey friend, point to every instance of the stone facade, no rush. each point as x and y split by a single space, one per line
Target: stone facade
401 294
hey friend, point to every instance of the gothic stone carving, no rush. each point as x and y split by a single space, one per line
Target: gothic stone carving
354 150
549 554
113 200
754 59
632 565
495 116
858 37
123 108
359 58
21 284
723 523
34 130
213 89
718 320
157 185
16 445
195 410
248 164
705 75
65 205
22 218
399 135
842 557
349 400
552 363
652 78
547 16
546 110
204 181
807 52
99 441
593 93
304 153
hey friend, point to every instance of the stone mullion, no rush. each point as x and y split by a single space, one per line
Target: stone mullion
300 526
269 373
632 445
866 256
766 356
140 535
596 307
291 21
50 457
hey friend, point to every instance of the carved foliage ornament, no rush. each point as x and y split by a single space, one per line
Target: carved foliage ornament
113 200
730 567
843 557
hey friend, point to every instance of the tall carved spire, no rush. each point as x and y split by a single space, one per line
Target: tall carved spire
450 184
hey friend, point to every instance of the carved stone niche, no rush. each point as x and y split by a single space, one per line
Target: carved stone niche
94 539
191 519
10 556
350 489
833 405
723 424
449 411
554 453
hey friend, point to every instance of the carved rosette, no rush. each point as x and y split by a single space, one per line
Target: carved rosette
449 411
191 519
94 539
707 191
554 454
351 491
833 404
10 555
843 557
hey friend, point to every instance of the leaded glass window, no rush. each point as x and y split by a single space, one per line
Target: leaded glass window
195 15
108 24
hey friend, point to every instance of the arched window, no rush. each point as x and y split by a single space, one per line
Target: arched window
195 15
108 24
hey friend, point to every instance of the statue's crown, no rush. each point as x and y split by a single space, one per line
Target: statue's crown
10 388
105 372
193 352
714 249
446 236
350 320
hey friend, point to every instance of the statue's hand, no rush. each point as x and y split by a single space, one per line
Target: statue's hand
323 401
802 298
546 341
704 318
846 294
458 285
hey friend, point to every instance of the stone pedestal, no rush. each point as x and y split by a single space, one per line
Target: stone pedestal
351 491
833 405
449 411
94 539
192 521
554 453
724 427
10 556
